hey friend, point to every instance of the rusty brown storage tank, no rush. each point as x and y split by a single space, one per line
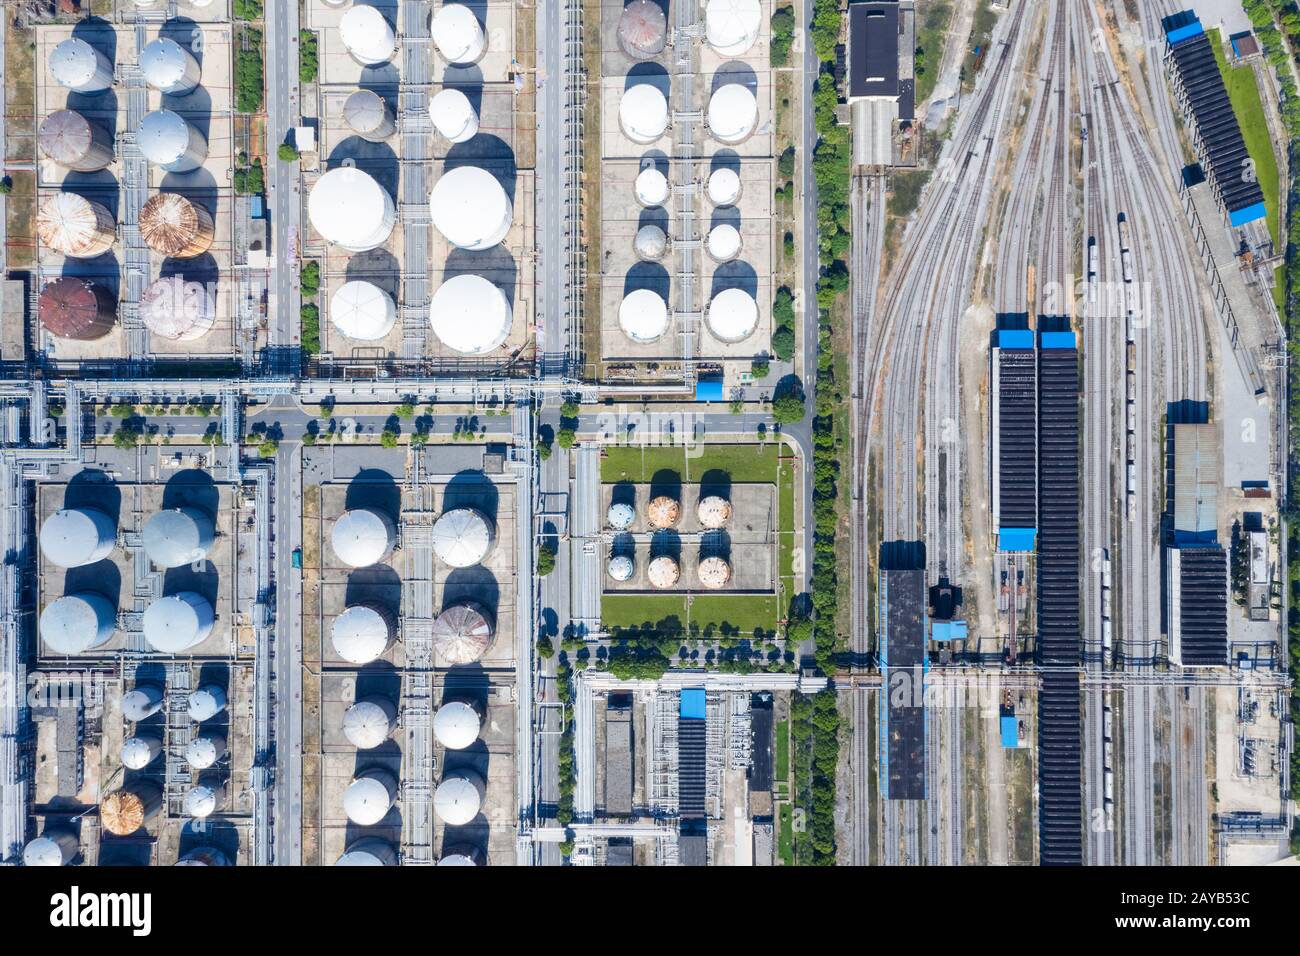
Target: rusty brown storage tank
125 811
642 29
75 226
70 139
176 227
73 308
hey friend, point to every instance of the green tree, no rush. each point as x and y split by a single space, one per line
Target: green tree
388 437
545 559
287 153
565 437
788 409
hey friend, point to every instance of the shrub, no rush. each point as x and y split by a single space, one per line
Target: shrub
287 153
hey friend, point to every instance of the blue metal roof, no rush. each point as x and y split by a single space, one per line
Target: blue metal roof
1058 340
1181 26
708 390
1015 339
948 631
1017 539
692 703
1248 214
1010 732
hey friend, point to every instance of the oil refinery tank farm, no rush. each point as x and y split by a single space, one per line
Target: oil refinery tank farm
76 623
171 142
642 29
178 622
362 537
462 537
471 315
178 536
363 311
368 115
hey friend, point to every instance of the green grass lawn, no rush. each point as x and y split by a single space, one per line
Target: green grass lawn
932 24
744 463
1243 91
785 835
745 612
785 527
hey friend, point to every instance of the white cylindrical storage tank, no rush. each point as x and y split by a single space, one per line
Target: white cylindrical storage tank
75 537
171 142
663 512
204 856
470 207
206 702
203 800
714 573
643 113
363 536
369 721
369 852
140 751
75 227
204 752
733 113
169 67
175 624
620 515
69 139
462 537
732 315
643 315
57 846
723 243
621 567
714 512
724 187
456 725
362 633
664 572
369 116
370 796
651 187
178 536
471 315
78 66
732 26
453 115
125 811
459 797
349 208
461 855
457 34
462 633
368 36
650 244
178 311
142 702
363 311
642 29
76 623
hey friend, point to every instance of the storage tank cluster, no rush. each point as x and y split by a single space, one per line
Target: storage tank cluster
174 538
362 538
462 538
80 621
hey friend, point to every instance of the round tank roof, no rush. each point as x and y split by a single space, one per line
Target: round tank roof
724 187
362 537
164 137
462 633
362 310
651 187
204 752
643 315
459 797
74 63
65 137
368 36
470 207
369 852
178 311
664 572
348 207
74 226
453 115
368 722
74 537
141 703
456 725
471 315
205 703
620 515
457 33
177 537
74 308
663 512
369 797
174 226
714 573
174 624
642 29
732 26
713 511
621 567
732 315
201 801
459 856
650 243
204 856
139 752
643 113
361 634
365 111
462 537
733 113
724 242
166 64
122 812
43 851
76 623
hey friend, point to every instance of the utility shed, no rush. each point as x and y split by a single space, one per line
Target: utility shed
880 83
902 659
618 755
1198 606
619 852
1198 454
70 728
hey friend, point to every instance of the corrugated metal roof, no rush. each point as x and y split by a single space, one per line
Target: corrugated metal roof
1198 451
